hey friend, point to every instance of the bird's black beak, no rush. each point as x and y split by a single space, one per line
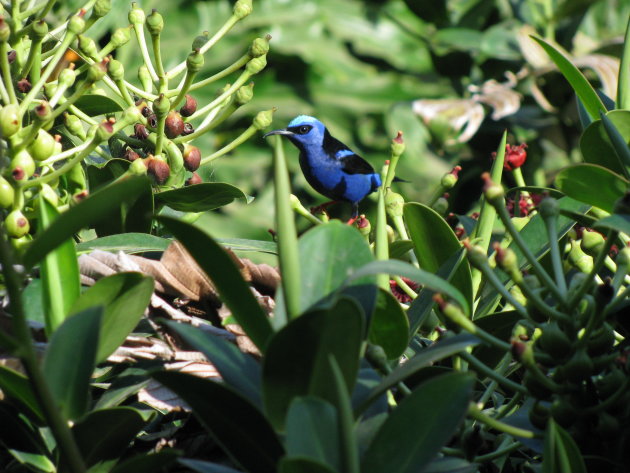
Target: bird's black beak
278 132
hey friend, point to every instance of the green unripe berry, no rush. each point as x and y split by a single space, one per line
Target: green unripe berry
7 193
96 72
244 94
43 112
200 40
592 243
76 24
74 125
17 224
9 120
101 8
67 77
43 146
39 30
131 115
255 65
155 23
263 119
394 204
259 47
194 61
22 165
623 258
116 70
242 8
161 106
579 367
120 37
554 341
136 15
104 131
138 168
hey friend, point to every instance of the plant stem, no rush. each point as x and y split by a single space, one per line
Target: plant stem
288 254
476 413
61 431
498 453
139 30
244 77
551 223
5 67
240 62
247 134
490 373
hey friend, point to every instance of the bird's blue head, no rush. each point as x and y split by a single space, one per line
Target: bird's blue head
303 131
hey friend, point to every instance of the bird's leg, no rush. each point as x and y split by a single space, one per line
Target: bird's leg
355 213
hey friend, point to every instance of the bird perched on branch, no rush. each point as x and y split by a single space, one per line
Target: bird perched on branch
333 169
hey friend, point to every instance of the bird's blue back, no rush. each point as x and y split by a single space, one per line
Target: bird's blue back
329 166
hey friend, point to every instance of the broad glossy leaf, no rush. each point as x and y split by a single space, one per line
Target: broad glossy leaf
127 242
133 216
313 431
234 291
389 326
438 351
399 248
70 359
623 82
576 79
123 386
105 434
240 428
328 253
93 105
425 278
59 273
82 215
595 143
302 465
435 242
619 143
242 244
560 452
592 184
619 222
205 467
149 463
16 386
36 461
200 197
293 369
420 426
238 370
124 297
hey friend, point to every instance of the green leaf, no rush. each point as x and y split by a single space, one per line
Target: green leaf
234 291
425 278
328 253
123 386
149 463
596 145
124 296
127 242
592 184
16 386
348 444
434 243
105 434
399 248
241 244
617 222
95 104
70 360
59 272
576 79
293 369
236 425
313 431
389 326
426 357
36 461
205 467
420 426
302 465
620 145
560 452
16 433
238 370
200 197
82 215
623 81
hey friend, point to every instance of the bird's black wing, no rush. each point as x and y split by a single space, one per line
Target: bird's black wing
352 163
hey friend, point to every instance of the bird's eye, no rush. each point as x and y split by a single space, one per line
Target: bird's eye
304 130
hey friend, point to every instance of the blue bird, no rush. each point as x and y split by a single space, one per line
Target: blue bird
333 169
